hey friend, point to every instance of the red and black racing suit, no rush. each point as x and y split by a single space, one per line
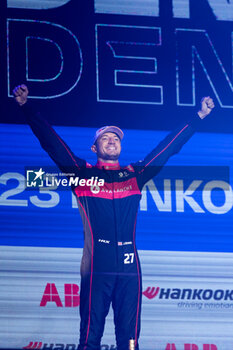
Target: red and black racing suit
110 268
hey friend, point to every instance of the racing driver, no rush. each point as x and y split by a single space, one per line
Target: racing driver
110 268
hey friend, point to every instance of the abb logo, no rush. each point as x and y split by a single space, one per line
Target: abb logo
71 293
193 347
72 297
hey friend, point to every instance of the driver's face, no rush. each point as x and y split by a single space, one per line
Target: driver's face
108 147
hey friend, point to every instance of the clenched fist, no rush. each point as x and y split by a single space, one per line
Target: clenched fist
207 104
21 93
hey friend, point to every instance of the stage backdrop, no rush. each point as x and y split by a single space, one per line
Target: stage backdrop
184 237
144 66
137 63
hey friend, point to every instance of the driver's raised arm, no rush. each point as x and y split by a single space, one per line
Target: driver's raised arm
154 161
49 139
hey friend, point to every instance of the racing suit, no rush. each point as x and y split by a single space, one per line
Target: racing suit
110 267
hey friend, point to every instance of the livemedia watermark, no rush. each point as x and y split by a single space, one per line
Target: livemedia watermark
43 179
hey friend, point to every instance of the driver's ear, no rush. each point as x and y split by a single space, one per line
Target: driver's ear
94 148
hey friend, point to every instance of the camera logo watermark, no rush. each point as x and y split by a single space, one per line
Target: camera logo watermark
35 178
